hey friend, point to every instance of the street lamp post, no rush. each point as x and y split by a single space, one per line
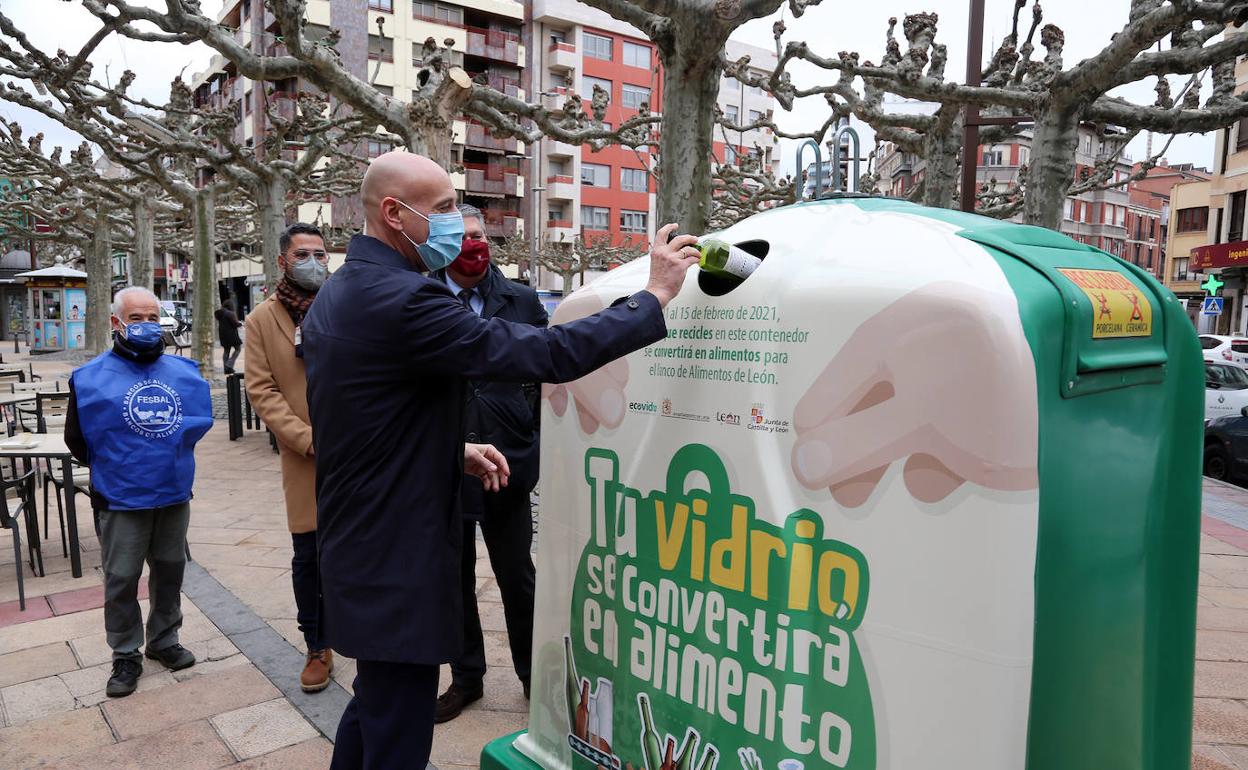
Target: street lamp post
537 191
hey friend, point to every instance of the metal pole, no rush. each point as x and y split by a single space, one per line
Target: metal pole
970 128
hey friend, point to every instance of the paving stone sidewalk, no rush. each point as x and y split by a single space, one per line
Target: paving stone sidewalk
240 705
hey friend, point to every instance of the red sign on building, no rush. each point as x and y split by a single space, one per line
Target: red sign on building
1220 255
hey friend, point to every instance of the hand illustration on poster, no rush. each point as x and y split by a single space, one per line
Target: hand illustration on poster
935 379
599 395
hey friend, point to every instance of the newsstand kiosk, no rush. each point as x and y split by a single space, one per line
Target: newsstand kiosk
921 493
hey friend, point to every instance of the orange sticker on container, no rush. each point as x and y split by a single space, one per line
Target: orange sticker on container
1119 307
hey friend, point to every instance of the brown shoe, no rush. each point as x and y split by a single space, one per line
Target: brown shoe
316 671
452 702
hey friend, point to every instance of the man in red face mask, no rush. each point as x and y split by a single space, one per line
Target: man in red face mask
502 414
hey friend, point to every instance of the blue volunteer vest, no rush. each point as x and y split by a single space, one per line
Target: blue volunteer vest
141 423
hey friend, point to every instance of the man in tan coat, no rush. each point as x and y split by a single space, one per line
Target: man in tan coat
277 387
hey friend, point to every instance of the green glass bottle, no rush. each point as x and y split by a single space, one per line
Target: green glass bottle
652 754
708 759
723 259
688 751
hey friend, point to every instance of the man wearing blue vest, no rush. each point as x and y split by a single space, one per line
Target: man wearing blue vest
134 417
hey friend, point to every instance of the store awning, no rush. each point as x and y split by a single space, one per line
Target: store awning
1233 254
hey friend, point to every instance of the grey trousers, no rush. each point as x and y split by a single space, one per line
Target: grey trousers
127 539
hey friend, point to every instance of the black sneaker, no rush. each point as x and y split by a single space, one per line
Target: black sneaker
175 657
126 673
452 702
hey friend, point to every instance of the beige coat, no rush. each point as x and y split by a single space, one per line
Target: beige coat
278 388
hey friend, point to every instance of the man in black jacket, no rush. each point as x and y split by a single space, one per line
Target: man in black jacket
498 413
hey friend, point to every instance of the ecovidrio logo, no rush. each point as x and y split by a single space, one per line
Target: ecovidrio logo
645 407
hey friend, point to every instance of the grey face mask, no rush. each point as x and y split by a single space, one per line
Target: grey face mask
309 273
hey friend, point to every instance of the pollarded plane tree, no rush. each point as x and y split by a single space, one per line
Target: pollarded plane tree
567 258
1195 36
423 125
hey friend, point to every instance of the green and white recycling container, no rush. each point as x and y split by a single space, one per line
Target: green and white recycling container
921 493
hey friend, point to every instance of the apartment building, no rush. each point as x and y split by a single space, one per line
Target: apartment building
380 41
1187 235
1225 250
609 194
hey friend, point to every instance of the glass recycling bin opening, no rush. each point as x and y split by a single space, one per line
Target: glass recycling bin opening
921 492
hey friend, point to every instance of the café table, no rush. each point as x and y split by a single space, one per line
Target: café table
52 446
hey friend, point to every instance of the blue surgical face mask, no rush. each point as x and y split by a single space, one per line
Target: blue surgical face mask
144 335
446 233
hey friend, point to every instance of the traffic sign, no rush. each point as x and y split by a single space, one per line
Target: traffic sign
1212 306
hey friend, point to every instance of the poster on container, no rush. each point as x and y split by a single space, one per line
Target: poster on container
800 532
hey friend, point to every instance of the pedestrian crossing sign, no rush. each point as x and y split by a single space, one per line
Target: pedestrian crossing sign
1212 306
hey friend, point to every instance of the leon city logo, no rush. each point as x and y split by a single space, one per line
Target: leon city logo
667 407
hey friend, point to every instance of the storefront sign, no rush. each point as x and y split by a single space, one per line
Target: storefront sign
1219 255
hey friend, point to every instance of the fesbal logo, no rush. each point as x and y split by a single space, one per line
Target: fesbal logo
152 409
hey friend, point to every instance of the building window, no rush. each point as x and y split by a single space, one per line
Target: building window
1181 271
633 96
247 103
730 112
636 55
633 221
558 167
1024 155
376 148
1192 220
557 36
992 158
1235 228
634 180
445 14
755 116
595 175
1068 209
1241 134
595 218
588 83
386 6
597 46
380 48
730 155
246 12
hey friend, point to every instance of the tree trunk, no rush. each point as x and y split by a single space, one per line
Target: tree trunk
1052 166
144 246
690 92
205 291
430 127
942 147
271 216
99 285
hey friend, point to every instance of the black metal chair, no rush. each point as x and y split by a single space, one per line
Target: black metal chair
50 410
21 514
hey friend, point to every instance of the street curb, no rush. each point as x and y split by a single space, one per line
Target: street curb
266 649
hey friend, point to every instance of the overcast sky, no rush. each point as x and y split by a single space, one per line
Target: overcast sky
834 26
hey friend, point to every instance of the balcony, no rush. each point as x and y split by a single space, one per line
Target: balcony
494 44
500 223
478 137
562 56
560 188
560 149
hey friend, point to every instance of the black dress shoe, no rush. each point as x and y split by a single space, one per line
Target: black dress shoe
175 657
126 673
452 702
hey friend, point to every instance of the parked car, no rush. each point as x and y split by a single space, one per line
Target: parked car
1218 347
1226 447
1226 390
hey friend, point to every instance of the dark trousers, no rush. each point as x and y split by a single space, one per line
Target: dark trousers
229 354
305 575
388 724
127 539
507 526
